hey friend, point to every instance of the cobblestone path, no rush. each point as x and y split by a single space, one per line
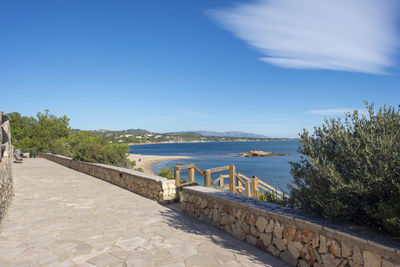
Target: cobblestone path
60 217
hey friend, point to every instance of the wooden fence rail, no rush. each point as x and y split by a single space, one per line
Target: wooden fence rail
238 183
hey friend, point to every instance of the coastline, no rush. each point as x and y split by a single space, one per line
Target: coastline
146 161
197 141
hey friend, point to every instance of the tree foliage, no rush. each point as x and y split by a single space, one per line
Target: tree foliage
272 197
166 172
49 133
350 169
90 148
38 134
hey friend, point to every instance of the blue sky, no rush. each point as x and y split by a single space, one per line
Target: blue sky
198 64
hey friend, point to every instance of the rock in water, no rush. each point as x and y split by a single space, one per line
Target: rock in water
256 153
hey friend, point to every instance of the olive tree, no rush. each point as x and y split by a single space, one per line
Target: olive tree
350 169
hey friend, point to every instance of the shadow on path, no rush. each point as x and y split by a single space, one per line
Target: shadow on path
176 219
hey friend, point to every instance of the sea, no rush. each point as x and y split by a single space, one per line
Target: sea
274 170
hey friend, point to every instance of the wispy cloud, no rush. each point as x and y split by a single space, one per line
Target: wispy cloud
347 35
336 111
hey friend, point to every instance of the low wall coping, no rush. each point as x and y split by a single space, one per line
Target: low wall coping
121 169
159 188
363 236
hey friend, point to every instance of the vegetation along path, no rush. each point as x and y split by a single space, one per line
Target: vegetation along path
61 217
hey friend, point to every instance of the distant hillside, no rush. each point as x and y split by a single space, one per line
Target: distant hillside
129 131
230 134
140 136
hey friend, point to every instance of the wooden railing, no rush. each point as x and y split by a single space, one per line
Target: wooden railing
238 183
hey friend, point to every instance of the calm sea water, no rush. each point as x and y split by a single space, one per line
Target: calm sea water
274 170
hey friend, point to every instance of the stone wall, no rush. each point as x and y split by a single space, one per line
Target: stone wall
6 156
288 234
154 187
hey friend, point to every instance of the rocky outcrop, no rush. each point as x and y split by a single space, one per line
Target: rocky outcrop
6 154
257 153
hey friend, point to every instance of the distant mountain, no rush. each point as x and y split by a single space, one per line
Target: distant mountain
128 131
140 136
228 134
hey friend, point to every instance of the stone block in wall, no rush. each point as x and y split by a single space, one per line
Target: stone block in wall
293 250
287 257
371 259
266 238
308 255
335 248
273 250
280 243
357 256
278 229
261 223
322 244
289 231
346 250
389 263
270 226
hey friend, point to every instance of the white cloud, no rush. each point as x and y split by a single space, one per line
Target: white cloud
347 35
336 111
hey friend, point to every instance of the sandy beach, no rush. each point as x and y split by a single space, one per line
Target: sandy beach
145 161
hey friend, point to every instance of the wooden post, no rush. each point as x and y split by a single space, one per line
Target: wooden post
207 178
254 187
232 178
177 174
191 174
247 189
221 180
257 185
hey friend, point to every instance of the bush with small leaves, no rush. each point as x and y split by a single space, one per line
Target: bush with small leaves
166 172
350 169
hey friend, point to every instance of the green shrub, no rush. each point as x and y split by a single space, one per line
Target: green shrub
38 134
61 147
49 133
350 169
271 197
87 147
166 172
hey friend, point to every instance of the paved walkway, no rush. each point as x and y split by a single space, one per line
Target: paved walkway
60 217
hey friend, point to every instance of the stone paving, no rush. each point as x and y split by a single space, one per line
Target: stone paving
60 217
